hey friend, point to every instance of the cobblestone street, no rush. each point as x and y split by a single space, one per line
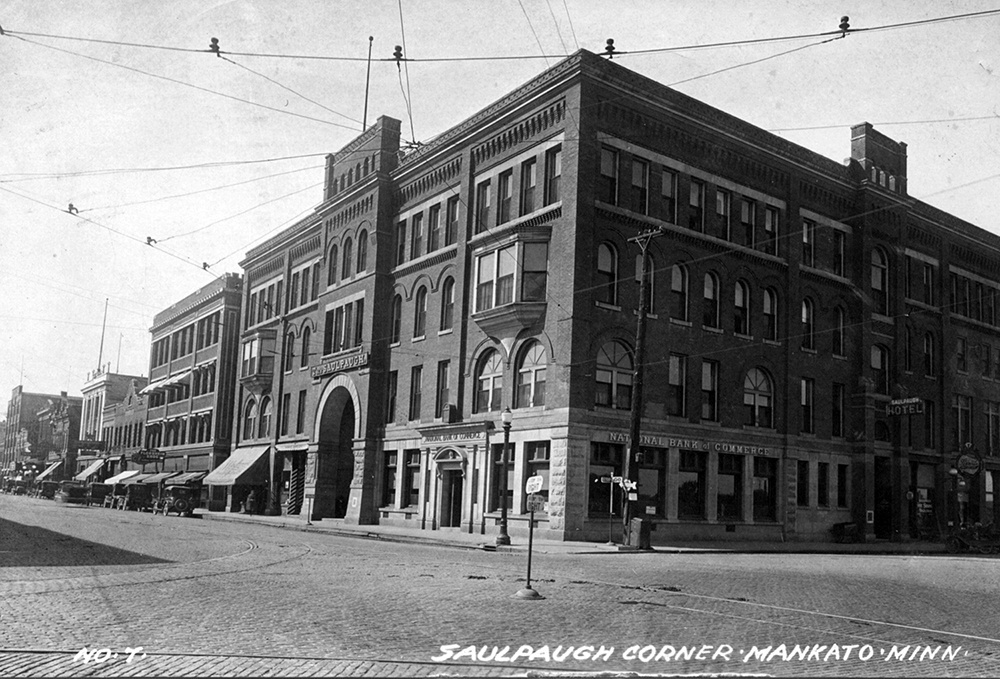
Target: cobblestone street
204 597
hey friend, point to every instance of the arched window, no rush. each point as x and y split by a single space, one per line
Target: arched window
249 419
679 292
363 249
880 282
489 382
420 313
880 368
530 388
306 338
929 360
808 325
289 351
613 377
741 308
711 302
348 261
757 397
397 318
448 304
366 167
607 274
265 418
770 314
839 324
331 275
350 177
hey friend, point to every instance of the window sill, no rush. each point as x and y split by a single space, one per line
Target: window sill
712 329
773 343
808 350
677 321
446 332
418 339
839 357
609 307
739 335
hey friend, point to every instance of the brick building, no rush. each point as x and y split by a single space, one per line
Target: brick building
23 433
820 345
59 428
102 391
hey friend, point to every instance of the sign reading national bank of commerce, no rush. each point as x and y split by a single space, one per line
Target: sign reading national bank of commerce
338 365
731 447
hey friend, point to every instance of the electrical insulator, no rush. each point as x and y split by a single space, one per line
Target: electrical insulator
845 24
398 53
609 49
214 47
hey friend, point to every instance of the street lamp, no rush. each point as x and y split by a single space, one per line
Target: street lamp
954 497
505 417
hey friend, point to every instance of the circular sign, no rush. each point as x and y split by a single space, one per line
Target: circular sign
968 464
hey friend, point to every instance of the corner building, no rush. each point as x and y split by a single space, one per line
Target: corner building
820 346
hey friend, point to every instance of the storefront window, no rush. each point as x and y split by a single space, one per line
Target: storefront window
497 483
389 481
411 483
537 457
765 497
652 488
605 461
729 499
691 485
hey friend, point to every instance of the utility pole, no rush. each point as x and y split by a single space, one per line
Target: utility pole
631 467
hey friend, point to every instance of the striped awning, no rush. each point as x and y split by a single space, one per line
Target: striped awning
51 468
157 478
89 471
245 465
186 477
119 478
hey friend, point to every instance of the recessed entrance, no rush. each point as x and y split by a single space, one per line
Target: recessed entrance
451 498
335 456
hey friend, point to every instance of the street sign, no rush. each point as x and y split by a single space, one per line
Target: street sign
536 503
534 484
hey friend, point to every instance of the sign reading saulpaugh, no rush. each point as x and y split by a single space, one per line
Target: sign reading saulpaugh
340 364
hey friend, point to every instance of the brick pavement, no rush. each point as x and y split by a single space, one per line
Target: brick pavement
296 602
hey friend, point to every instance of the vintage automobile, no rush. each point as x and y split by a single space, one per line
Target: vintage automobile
178 498
96 492
47 489
18 488
138 496
71 492
974 538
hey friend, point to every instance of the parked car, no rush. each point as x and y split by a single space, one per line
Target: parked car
48 489
96 492
72 492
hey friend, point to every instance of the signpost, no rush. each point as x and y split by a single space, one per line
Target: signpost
535 503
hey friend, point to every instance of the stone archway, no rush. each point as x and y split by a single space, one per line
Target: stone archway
334 460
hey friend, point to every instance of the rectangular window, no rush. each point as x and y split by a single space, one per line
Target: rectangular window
839 252
553 175
389 479
992 428
416 375
842 485
823 484
286 413
709 390
485 274
696 206
483 206
765 489
806 400
537 456
640 186
605 462
808 242
961 362
928 283
534 272
723 207
529 179
451 221
416 235
802 486
748 220
652 482
306 288
434 228
961 406
293 292
930 426
300 417
987 359
770 244
441 395
505 196
390 405
496 487
411 481
676 384
837 410
401 243
691 485
668 196
729 497
608 188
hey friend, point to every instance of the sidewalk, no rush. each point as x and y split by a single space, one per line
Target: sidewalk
456 539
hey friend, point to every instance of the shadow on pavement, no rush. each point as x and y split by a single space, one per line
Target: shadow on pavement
23 545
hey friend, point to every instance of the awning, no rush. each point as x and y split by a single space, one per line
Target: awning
176 378
51 468
156 478
243 466
89 471
152 386
119 478
186 477
138 478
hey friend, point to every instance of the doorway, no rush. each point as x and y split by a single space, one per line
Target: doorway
335 456
883 498
451 498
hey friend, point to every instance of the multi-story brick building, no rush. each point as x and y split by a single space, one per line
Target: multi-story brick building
192 371
125 429
102 391
59 427
820 346
23 434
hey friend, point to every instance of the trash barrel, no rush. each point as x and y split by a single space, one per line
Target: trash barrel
639 533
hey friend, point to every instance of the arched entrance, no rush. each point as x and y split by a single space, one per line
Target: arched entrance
335 455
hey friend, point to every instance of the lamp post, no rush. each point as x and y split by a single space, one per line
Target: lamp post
954 498
505 417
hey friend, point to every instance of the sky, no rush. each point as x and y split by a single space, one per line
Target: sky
209 156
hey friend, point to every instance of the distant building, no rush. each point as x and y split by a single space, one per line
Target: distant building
59 427
22 434
192 371
821 347
102 391
125 424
